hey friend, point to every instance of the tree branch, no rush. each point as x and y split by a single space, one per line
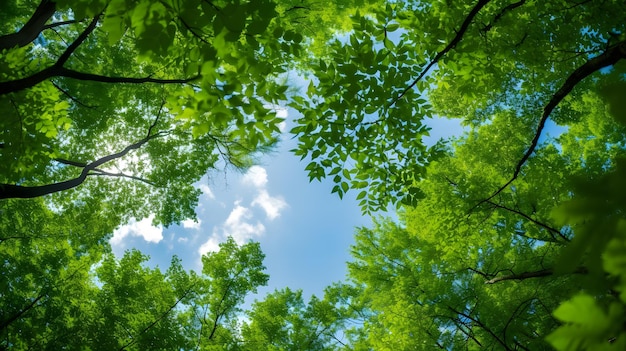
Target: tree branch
484 327
457 38
57 70
71 163
21 312
24 192
541 224
66 93
60 23
163 315
610 57
32 28
99 172
76 43
502 12
535 274
50 72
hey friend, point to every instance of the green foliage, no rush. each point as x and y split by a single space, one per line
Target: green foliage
508 238
587 326
190 76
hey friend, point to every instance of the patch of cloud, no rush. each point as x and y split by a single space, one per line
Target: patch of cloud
238 225
270 204
282 113
256 176
192 224
142 228
211 245
207 191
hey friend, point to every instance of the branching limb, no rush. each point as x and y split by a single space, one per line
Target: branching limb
66 93
518 310
482 274
71 163
535 274
54 71
30 31
502 12
24 192
99 172
163 315
22 311
553 231
76 43
57 70
481 325
59 24
457 38
610 57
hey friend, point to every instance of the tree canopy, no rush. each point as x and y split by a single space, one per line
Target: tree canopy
510 237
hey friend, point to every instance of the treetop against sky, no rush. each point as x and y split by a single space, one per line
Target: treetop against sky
116 112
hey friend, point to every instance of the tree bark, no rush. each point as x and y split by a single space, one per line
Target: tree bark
31 30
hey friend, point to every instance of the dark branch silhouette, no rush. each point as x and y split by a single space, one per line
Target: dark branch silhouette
536 274
457 38
90 169
553 231
156 321
501 13
31 30
610 57
484 327
57 70
17 315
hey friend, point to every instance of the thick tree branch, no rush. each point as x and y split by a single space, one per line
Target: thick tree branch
76 43
24 192
57 70
457 38
54 71
535 274
31 30
610 57
60 23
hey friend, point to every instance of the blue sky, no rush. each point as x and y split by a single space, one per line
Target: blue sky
304 230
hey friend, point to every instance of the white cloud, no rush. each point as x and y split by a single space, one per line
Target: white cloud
143 228
281 112
207 191
256 176
183 239
236 225
271 205
211 245
282 126
191 224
